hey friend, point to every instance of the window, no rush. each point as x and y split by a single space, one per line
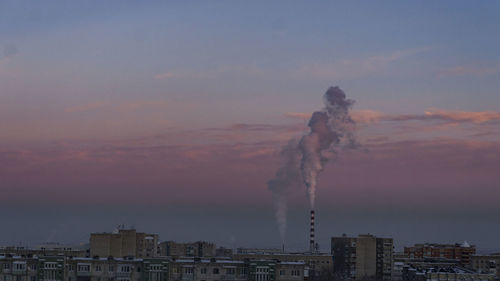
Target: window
33 278
216 271
83 267
203 270
32 266
243 271
124 268
230 271
188 270
295 272
155 267
50 265
111 268
282 272
98 268
19 266
6 266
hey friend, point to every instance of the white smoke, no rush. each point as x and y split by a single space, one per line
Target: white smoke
330 128
287 176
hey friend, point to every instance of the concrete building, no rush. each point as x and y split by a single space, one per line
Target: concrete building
104 269
15 268
151 269
56 251
315 263
123 243
460 252
363 257
488 264
259 250
194 249
455 273
223 252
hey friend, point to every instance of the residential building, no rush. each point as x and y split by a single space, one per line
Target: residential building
194 249
123 243
454 273
315 263
363 257
460 252
223 252
489 264
42 251
150 269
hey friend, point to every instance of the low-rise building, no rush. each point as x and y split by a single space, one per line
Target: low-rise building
315 263
60 268
194 249
489 264
454 273
460 252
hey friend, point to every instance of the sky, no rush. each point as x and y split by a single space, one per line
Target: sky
170 116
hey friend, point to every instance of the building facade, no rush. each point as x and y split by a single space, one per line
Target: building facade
124 243
489 264
460 252
315 263
60 268
194 249
454 273
363 257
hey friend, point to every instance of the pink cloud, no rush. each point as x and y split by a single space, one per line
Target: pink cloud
408 170
85 107
471 69
370 116
354 67
165 75
463 116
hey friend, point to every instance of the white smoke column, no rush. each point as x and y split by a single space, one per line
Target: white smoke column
330 128
303 161
288 175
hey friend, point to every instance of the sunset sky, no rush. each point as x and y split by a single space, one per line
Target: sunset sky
169 116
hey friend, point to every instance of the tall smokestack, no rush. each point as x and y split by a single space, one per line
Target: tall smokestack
311 237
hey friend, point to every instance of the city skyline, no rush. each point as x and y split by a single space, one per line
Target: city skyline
170 117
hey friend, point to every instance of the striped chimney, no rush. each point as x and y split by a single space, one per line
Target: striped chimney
311 237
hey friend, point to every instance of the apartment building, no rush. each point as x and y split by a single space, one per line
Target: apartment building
460 252
124 243
315 263
454 273
62 268
194 249
365 256
42 251
489 264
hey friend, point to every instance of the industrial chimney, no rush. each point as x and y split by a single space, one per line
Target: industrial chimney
312 245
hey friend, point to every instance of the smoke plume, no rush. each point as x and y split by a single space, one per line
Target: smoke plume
330 129
287 176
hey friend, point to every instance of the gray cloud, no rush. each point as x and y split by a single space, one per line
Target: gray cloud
10 50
